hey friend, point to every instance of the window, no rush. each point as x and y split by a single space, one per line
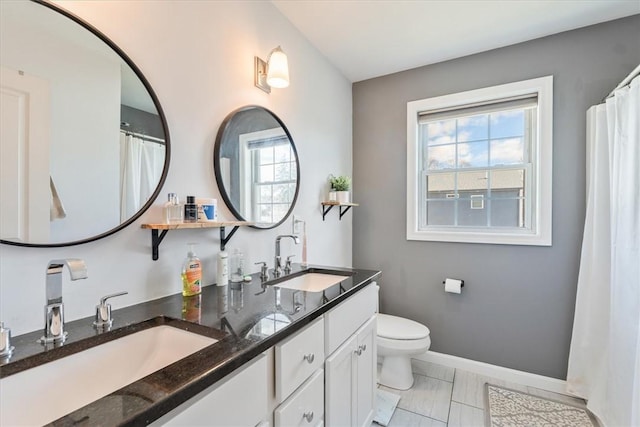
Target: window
479 165
271 180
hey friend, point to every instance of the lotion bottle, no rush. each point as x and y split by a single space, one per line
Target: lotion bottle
222 275
191 273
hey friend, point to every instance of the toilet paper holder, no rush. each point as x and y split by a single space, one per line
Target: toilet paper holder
461 282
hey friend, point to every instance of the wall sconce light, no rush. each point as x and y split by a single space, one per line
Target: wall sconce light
272 73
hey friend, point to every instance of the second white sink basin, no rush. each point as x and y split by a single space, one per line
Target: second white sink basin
47 392
312 282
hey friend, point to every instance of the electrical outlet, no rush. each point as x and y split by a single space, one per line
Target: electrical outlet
297 224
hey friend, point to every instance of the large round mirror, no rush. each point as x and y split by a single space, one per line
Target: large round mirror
84 142
256 166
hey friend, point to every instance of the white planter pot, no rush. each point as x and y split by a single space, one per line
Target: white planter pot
343 196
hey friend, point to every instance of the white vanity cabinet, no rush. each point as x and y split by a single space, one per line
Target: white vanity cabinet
240 399
350 369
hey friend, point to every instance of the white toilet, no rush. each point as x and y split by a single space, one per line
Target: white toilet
398 339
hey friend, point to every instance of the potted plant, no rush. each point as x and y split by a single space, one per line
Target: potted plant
341 185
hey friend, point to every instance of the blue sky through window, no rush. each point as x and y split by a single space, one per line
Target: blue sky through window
478 141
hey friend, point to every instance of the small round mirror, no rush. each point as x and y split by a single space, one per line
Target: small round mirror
256 166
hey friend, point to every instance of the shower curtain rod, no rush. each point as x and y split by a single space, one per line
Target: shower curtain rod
625 82
143 136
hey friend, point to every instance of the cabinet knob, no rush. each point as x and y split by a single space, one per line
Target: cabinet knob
308 416
360 349
309 358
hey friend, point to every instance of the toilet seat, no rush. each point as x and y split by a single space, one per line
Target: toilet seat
399 328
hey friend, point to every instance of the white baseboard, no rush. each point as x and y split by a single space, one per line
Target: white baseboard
505 374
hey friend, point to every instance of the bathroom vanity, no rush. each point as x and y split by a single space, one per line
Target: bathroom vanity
280 353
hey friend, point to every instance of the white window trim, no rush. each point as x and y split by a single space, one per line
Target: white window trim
543 87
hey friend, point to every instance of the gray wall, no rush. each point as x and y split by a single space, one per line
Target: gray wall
516 308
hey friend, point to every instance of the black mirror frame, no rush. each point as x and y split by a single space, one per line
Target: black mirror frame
163 119
216 165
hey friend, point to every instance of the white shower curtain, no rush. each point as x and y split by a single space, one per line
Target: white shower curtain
141 164
604 362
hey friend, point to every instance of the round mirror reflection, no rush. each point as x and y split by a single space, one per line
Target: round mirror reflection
256 166
84 143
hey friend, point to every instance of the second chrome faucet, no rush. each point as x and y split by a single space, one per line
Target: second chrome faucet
277 264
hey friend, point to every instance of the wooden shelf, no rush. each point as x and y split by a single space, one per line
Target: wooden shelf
343 207
158 231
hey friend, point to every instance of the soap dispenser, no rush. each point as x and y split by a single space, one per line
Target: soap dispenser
191 273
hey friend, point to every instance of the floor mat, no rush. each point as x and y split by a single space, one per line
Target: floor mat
385 406
505 407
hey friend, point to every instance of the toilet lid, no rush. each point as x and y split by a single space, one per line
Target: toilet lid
399 328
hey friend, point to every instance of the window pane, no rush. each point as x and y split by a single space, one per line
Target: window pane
293 170
441 157
282 153
441 184
265 194
507 183
266 173
279 211
282 171
281 193
265 213
505 124
472 183
507 151
471 217
473 154
473 128
442 132
441 212
266 155
507 213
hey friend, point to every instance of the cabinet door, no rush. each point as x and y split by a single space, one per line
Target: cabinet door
340 385
366 373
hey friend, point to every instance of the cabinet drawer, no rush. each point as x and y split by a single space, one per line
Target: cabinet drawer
305 407
343 320
298 357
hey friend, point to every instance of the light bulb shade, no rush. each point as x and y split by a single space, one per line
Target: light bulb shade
278 69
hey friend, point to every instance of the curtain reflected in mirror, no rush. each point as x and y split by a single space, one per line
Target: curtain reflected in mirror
256 166
84 143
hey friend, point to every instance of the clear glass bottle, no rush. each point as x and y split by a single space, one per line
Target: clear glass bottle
173 210
237 266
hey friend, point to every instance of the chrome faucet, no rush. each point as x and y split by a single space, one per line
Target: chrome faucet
54 310
277 268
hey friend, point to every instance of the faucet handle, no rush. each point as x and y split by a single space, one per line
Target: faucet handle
6 350
287 264
103 312
264 270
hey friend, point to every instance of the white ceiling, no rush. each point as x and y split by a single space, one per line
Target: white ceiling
371 38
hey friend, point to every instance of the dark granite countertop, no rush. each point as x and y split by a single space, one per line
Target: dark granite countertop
247 318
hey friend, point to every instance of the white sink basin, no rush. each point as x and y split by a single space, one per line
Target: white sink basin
312 282
47 392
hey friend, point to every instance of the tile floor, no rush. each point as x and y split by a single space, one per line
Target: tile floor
443 396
